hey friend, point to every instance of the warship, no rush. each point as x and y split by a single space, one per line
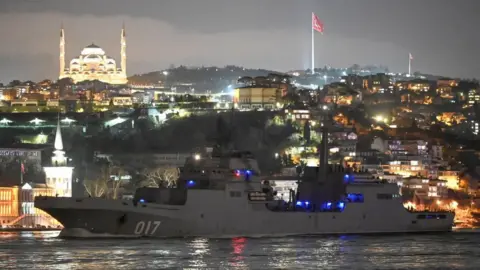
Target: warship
221 194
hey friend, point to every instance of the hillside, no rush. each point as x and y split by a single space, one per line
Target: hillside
204 78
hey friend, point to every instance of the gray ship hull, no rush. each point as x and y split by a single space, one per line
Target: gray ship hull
94 217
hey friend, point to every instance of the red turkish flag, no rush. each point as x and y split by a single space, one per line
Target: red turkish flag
317 25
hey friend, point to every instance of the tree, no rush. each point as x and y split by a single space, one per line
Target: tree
246 80
95 187
118 172
104 184
14 83
161 177
293 99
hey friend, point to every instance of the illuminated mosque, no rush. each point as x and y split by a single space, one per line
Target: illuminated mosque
94 64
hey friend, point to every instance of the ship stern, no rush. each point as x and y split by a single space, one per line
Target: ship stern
433 221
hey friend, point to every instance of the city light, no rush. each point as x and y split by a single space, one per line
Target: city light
67 120
5 121
453 205
380 119
410 205
37 121
115 121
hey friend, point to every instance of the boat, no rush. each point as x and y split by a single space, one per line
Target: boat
222 194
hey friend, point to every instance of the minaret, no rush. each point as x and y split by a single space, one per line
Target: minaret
123 51
58 158
59 175
62 52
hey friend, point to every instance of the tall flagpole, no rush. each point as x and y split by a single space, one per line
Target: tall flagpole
21 172
313 45
409 64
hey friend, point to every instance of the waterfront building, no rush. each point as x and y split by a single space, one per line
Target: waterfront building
17 207
8 204
17 202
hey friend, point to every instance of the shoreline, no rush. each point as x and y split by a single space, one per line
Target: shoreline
29 229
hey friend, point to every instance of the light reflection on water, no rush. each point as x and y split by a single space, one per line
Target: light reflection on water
42 250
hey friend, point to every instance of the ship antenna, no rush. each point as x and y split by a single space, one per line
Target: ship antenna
323 169
232 127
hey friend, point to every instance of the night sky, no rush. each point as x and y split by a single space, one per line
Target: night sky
442 35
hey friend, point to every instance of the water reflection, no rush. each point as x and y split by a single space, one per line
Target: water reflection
283 250
199 248
237 260
41 251
29 234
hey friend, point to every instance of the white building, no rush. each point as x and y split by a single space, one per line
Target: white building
426 188
59 174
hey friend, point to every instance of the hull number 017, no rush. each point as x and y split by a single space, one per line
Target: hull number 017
147 228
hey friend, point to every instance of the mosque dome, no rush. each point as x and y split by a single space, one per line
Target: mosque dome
94 64
92 49
93 46
110 61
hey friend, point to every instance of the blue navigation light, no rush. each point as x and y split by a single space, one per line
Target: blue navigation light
307 203
141 201
191 183
328 206
299 203
248 172
341 205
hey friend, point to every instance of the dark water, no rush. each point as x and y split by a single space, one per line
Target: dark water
44 251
